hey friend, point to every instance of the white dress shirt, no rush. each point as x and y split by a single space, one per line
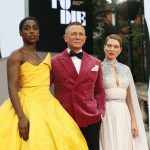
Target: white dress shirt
76 61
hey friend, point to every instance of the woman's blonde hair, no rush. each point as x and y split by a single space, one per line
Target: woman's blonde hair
115 37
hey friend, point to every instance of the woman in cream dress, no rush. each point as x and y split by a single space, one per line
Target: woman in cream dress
122 126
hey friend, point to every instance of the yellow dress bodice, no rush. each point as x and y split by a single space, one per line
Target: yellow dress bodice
32 75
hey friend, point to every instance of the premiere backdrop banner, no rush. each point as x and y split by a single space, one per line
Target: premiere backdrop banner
11 13
147 18
55 15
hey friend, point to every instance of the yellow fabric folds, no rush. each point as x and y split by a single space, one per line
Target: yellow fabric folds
51 127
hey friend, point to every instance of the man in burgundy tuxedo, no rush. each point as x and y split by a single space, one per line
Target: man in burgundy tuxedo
78 85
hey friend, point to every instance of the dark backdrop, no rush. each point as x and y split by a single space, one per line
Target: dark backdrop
52 30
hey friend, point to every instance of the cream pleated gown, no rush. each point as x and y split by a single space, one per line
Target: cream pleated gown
115 131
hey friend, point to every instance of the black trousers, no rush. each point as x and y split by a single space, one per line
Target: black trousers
91 134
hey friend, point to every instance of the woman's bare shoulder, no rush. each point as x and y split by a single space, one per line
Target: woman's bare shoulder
16 55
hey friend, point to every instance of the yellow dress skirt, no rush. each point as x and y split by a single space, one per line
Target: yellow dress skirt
51 127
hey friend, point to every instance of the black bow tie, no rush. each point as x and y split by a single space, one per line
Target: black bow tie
79 55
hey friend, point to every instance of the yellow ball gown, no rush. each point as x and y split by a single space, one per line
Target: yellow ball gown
51 127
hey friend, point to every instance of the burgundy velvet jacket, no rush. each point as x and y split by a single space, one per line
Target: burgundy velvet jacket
82 95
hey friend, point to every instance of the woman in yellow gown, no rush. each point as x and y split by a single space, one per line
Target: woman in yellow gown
32 119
